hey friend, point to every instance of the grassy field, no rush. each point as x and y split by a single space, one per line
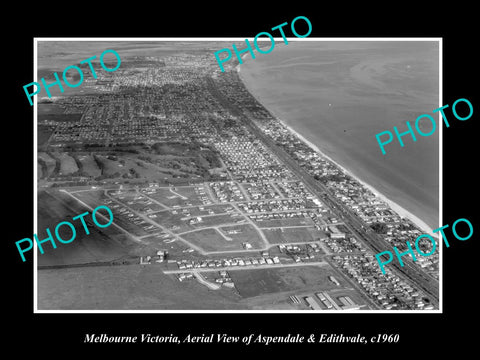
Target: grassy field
95 198
284 222
136 201
292 235
100 245
212 240
89 166
166 197
50 163
172 221
247 233
39 170
67 164
92 197
251 283
109 167
179 196
129 163
208 210
216 220
143 169
47 109
157 241
60 117
130 287
43 133
175 249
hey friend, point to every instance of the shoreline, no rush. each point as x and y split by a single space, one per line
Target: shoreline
401 211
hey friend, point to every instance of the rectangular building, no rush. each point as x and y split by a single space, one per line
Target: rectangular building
312 303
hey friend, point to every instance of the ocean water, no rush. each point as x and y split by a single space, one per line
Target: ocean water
340 94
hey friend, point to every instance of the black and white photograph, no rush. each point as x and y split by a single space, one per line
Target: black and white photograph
218 180
257 185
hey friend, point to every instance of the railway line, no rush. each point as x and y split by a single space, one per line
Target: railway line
415 274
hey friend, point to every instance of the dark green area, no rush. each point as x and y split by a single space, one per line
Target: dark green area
379 228
60 117
44 133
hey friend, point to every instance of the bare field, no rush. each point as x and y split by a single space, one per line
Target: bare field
135 200
291 235
74 117
176 196
217 220
121 217
92 197
100 245
284 222
46 109
212 240
172 221
208 210
243 233
251 283
132 287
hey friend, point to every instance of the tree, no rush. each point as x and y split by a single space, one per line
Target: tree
379 228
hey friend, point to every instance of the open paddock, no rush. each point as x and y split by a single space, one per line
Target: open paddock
102 244
243 233
175 249
93 198
49 162
49 109
127 288
109 167
43 133
89 165
204 210
67 164
258 282
132 224
175 196
121 216
292 235
74 117
211 240
142 169
135 200
171 221
293 221
216 220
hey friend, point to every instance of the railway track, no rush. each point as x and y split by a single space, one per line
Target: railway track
424 281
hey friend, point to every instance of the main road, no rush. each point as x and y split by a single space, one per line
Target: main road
423 280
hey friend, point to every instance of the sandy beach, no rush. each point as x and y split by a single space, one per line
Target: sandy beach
394 206
335 96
